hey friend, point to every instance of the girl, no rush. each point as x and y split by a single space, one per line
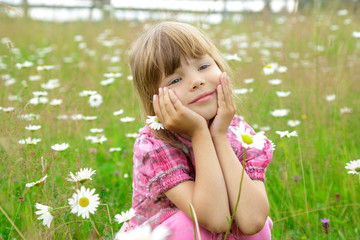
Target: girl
180 77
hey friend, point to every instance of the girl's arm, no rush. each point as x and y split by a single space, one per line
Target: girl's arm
253 206
208 193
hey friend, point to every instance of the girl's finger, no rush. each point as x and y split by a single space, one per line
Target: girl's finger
175 100
170 109
156 105
162 104
222 84
220 95
227 90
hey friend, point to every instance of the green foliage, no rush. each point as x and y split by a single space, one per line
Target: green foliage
303 179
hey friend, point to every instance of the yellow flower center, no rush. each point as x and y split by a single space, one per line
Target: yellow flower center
247 139
268 66
84 202
357 169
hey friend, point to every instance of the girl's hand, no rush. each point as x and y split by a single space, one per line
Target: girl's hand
175 116
226 107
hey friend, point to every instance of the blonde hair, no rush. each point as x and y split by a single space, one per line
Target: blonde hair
158 52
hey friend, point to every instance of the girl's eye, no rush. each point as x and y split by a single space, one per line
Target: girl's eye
175 81
203 67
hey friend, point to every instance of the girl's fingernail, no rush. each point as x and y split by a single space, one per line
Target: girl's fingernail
154 97
160 90
165 89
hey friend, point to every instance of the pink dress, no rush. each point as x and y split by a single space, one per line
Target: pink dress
159 166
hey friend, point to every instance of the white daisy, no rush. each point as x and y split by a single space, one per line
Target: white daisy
283 94
265 128
130 78
131 135
118 149
342 12
62 117
232 57
247 140
86 93
45 212
60 147
77 116
29 117
280 112
44 67
270 68
33 78
330 98
51 84
84 201
353 166
78 38
345 110
154 123
127 119
33 127
248 80
89 118
9 82
56 102
30 141
107 81
275 81
356 34
112 75
39 93
82 175
37 183
242 90
125 216
8 109
293 123
90 138
116 113
99 140
144 232
282 69
287 134
95 100
96 130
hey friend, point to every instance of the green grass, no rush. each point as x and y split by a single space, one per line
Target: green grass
326 142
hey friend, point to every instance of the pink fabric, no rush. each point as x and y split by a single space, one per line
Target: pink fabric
158 167
182 227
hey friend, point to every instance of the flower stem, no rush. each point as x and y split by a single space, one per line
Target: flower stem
107 209
94 226
17 212
12 223
238 198
54 209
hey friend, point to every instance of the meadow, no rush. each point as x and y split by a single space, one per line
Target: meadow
315 55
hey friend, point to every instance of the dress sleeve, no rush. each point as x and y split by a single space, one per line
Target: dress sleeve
160 166
256 160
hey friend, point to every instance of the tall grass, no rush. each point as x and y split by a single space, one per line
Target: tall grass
303 179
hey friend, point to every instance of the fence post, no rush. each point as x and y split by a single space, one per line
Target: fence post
225 10
25 8
106 9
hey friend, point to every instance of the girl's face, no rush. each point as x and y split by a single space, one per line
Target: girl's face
194 83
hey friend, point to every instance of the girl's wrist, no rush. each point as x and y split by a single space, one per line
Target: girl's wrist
200 133
219 137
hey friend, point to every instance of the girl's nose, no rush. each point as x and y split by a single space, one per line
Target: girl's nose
197 83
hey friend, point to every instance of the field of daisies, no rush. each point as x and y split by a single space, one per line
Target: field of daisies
69 118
